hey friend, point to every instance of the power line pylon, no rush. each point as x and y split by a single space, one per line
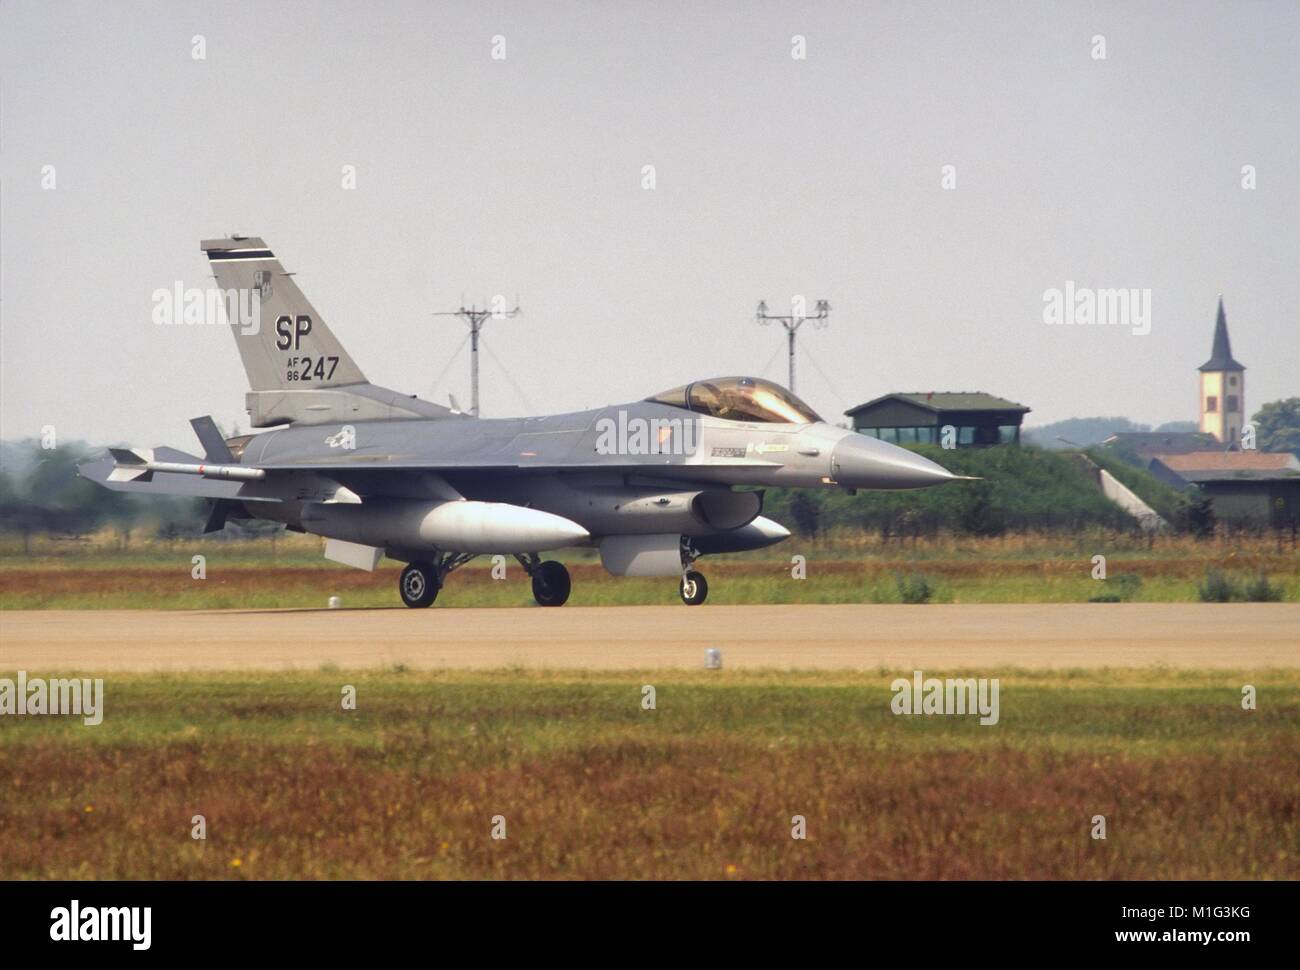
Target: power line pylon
476 318
792 322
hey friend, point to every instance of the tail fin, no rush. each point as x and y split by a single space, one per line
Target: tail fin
298 372
286 345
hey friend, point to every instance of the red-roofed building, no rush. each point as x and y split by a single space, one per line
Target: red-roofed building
1246 487
1236 464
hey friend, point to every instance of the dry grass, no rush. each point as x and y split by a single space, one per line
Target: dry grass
840 569
592 786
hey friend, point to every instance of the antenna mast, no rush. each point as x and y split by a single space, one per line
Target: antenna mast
476 318
792 322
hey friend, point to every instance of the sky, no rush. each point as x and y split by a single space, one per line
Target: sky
775 176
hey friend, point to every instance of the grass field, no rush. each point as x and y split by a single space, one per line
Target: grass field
705 786
841 569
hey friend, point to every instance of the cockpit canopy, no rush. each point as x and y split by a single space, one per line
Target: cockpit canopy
740 399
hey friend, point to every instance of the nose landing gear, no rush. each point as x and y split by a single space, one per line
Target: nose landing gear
694 589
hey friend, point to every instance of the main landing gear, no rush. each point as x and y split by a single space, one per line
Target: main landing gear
418 585
551 583
421 580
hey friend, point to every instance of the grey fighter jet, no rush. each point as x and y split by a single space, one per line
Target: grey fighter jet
652 484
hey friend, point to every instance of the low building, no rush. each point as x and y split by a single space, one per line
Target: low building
977 419
1247 488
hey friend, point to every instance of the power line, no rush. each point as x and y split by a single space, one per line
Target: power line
515 384
829 383
763 372
438 380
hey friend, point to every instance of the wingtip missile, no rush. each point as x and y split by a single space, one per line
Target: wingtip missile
130 466
139 465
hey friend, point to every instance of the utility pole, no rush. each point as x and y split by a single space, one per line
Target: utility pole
476 318
792 322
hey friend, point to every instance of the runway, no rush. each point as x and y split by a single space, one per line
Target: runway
1246 635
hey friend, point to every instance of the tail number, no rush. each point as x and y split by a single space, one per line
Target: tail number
310 369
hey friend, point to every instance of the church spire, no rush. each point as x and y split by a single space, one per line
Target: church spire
1221 355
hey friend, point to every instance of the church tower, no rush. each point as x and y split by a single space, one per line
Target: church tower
1223 389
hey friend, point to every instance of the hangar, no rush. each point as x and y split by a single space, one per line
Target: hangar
919 418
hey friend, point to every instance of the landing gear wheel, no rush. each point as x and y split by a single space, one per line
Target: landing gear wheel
694 588
551 583
418 585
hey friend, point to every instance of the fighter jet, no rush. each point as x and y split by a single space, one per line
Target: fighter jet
652 484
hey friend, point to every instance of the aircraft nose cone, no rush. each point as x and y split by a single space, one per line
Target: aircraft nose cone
861 462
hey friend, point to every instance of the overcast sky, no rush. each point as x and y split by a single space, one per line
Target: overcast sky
774 176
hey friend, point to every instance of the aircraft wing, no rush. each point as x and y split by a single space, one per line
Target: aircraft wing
345 475
648 465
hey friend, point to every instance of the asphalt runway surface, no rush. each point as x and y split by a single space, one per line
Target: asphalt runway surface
1245 635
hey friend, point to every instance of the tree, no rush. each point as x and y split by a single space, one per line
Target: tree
1196 516
977 514
71 503
51 498
1277 426
806 514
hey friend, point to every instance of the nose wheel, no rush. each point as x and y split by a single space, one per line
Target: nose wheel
694 588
